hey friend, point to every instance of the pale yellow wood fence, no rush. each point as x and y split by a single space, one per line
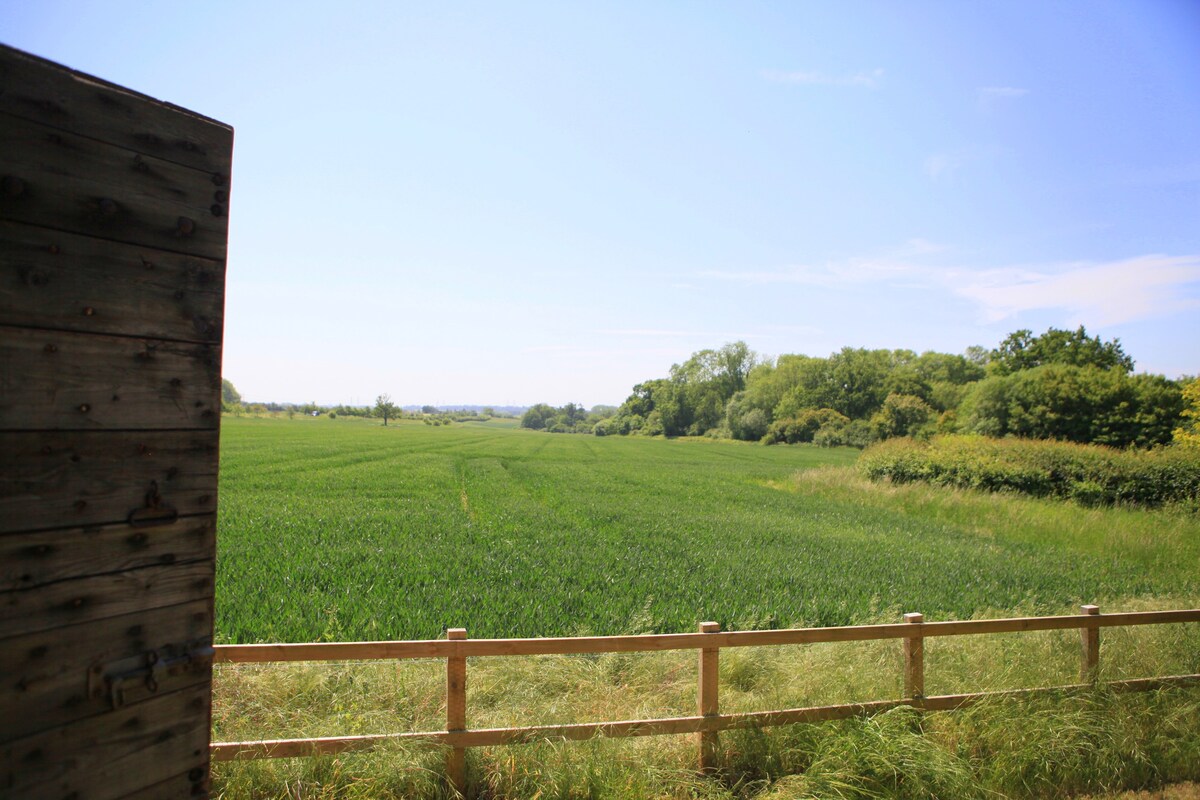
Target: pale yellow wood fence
709 641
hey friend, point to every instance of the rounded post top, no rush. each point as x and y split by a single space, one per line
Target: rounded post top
456 633
710 627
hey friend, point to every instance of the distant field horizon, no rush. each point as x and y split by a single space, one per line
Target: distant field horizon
344 529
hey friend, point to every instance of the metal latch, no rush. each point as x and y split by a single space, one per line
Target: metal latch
138 677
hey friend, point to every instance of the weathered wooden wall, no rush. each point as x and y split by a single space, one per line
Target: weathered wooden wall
113 224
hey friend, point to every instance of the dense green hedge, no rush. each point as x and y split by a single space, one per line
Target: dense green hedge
1089 474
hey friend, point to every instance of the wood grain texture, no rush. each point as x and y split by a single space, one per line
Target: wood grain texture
55 380
57 605
72 101
59 180
111 755
74 479
707 699
62 281
29 560
456 713
192 784
45 674
113 223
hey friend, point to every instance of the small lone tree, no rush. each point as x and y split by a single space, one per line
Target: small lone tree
384 407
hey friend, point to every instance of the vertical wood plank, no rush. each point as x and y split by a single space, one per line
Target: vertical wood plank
707 703
1089 635
914 659
456 713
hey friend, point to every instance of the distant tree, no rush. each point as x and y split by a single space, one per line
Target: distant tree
1188 433
230 398
384 407
902 415
1022 350
978 355
537 417
1078 404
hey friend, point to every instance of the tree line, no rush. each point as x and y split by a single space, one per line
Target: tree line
1062 384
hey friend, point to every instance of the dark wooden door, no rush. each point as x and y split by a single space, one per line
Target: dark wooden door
113 222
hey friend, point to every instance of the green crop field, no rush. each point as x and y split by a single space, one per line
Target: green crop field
344 529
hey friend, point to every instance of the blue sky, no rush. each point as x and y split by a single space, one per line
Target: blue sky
514 203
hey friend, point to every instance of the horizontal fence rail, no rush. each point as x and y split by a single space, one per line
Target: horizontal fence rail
457 648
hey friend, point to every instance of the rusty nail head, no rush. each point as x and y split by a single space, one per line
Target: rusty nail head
185 226
84 407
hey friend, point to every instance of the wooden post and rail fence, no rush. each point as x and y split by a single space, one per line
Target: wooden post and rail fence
709 641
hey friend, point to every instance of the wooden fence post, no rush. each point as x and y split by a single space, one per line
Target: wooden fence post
706 699
456 713
914 659
1089 662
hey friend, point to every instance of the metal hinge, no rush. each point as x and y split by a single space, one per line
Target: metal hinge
137 677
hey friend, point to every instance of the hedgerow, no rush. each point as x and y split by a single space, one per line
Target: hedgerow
1088 474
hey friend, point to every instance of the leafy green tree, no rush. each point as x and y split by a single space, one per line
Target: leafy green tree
903 415
1188 432
1022 350
384 407
231 399
804 426
1158 407
537 417
1079 404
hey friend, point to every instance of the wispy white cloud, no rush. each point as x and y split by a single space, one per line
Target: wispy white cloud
1107 293
944 165
676 334
988 97
920 247
1094 293
940 164
826 275
1002 91
646 332
867 79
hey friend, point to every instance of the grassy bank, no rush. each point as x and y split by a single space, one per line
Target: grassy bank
1047 747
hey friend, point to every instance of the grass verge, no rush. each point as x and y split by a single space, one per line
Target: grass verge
1052 746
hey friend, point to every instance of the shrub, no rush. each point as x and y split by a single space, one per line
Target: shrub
803 426
1088 474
